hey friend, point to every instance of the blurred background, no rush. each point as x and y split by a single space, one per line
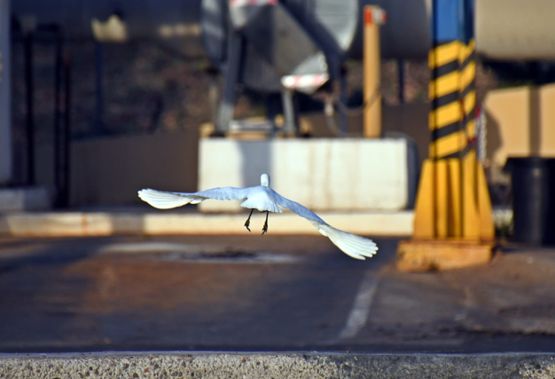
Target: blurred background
425 119
109 96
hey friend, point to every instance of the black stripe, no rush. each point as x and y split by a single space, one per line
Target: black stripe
445 69
439 102
470 146
446 130
445 99
469 88
469 116
458 154
452 127
471 57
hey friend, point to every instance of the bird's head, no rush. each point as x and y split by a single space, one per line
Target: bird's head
265 180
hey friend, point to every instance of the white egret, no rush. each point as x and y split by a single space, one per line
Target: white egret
264 199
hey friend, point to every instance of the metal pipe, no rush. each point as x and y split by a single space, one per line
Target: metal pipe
62 111
5 95
289 112
232 74
29 102
66 134
58 146
373 18
99 85
401 81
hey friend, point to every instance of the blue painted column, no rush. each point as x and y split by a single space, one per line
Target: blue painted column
453 199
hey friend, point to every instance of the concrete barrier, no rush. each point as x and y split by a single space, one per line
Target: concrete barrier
321 173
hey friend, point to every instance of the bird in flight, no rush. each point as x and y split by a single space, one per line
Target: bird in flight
264 199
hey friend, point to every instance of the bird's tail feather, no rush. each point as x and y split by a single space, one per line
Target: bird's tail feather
166 200
354 246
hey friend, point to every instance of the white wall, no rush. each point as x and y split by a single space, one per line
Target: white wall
323 174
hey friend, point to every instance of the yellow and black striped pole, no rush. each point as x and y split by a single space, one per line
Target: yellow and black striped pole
453 199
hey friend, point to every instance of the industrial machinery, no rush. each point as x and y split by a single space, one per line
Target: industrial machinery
278 46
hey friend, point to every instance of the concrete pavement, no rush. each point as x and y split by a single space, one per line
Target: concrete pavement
290 365
264 292
187 221
274 305
145 221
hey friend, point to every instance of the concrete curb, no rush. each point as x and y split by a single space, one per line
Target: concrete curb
276 365
83 224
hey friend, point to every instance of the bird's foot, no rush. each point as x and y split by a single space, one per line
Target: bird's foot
265 227
248 222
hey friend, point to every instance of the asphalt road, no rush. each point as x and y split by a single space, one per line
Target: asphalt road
263 293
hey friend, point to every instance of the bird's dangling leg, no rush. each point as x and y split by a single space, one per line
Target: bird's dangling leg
248 222
265 227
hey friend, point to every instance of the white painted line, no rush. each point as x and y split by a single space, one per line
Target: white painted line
148 247
361 306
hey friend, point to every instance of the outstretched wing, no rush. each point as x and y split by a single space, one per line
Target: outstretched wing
167 199
354 246
299 209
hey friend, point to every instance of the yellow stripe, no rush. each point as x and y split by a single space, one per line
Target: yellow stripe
471 220
469 102
487 231
445 115
471 128
468 74
455 211
466 50
444 85
444 54
441 200
449 144
424 209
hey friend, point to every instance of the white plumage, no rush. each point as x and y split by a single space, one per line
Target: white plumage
264 199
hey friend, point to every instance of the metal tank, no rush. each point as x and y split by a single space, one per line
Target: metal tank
515 29
277 46
280 36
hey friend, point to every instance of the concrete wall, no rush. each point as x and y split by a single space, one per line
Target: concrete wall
323 174
520 121
109 171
